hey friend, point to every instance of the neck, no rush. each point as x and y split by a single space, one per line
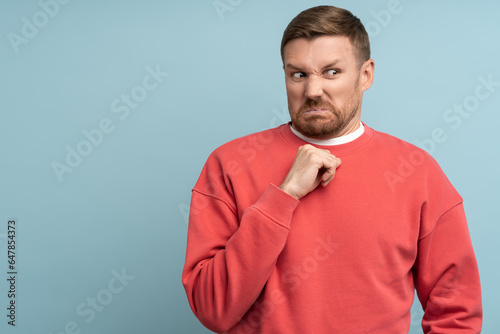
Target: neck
352 126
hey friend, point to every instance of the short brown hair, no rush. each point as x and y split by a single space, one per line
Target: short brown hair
329 20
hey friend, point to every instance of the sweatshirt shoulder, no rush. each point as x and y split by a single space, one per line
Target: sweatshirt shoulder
406 152
255 142
410 169
240 151
393 142
401 149
231 162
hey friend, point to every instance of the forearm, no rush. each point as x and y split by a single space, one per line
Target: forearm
229 262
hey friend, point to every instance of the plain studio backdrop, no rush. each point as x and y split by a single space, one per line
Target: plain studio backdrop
109 110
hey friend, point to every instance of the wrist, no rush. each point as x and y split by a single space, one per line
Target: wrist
285 188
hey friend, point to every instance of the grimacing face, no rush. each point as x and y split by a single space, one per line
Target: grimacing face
325 85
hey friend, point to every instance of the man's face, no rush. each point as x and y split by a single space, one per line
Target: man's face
325 85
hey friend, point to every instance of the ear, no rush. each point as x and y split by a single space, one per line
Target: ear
366 74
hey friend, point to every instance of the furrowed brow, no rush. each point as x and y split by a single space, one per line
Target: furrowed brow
293 67
332 64
329 65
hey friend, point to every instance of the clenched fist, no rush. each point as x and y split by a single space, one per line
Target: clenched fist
311 167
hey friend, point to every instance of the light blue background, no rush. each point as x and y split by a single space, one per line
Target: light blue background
125 206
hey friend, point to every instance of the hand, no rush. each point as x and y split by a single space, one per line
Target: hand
311 167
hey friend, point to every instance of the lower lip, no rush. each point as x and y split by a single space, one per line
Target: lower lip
317 112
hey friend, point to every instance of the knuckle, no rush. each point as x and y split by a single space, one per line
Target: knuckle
308 147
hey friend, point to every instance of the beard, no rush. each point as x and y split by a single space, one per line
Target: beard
325 126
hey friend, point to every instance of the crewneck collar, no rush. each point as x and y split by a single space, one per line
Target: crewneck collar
343 149
332 141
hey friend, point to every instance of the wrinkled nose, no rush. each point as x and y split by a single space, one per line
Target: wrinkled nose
314 88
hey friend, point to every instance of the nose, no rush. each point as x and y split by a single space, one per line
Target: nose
314 88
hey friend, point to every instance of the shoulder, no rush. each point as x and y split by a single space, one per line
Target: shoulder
247 147
407 165
233 162
403 152
410 169
240 150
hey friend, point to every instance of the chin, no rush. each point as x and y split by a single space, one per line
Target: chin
319 131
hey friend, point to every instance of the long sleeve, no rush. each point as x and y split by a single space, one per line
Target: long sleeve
228 259
447 277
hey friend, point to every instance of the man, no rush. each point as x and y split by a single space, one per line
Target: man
309 228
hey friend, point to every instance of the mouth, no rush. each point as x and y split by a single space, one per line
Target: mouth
317 111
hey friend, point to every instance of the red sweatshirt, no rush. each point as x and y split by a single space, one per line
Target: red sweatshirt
346 258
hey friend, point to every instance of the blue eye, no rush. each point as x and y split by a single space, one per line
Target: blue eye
298 75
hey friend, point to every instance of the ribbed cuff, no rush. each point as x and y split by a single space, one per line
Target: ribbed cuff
277 204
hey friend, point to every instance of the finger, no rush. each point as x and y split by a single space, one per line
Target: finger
327 176
329 173
325 151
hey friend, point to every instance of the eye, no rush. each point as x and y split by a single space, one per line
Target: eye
331 73
298 75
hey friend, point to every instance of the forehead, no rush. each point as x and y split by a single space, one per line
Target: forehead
323 49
